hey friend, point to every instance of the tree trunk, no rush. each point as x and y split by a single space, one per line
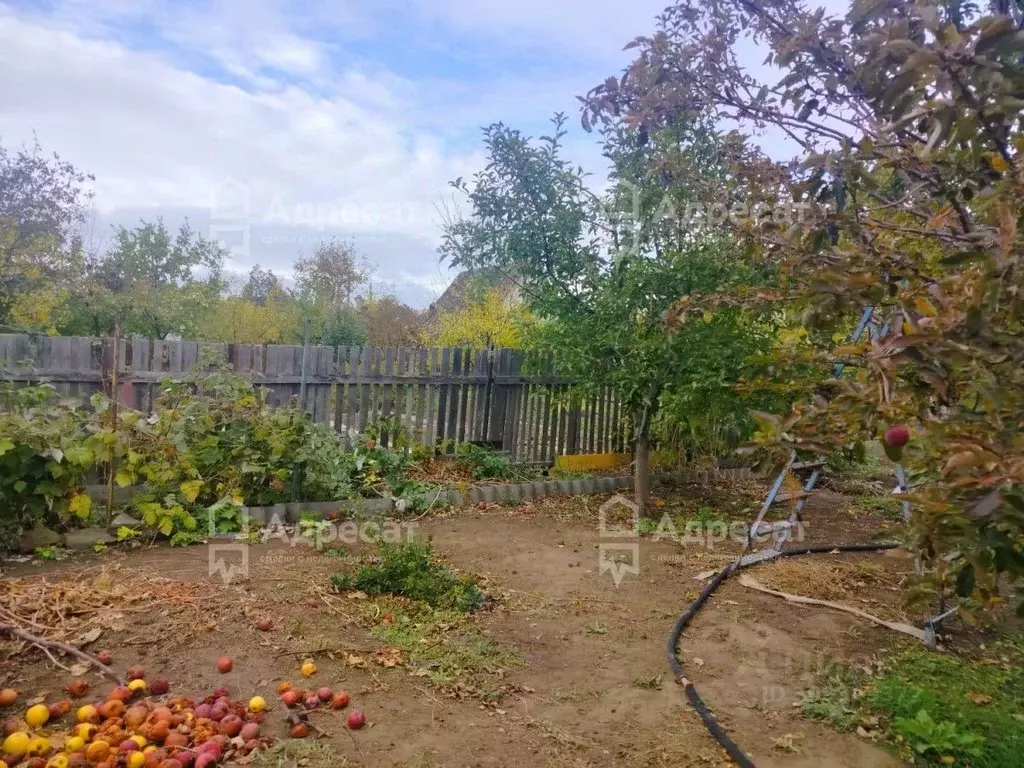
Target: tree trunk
642 465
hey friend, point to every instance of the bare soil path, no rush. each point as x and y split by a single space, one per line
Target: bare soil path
595 689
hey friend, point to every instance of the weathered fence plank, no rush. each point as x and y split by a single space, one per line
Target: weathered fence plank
438 396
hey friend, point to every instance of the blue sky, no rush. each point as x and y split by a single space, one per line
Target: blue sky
347 115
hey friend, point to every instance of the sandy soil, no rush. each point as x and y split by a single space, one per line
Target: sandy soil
589 693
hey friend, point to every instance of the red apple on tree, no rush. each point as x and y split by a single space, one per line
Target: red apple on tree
893 441
898 436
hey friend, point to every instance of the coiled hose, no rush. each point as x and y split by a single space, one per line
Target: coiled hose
737 754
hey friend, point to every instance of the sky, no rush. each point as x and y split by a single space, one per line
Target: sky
274 124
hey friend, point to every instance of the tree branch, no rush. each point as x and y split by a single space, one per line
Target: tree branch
43 644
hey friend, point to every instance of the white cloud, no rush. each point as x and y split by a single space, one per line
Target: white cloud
154 133
163 100
594 28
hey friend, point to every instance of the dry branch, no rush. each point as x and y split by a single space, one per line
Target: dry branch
896 626
44 645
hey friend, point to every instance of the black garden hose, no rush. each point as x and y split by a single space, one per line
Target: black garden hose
737 754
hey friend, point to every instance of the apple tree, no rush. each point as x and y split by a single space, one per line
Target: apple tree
906 123
599 271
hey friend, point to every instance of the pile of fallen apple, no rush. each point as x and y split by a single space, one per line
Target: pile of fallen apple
139 725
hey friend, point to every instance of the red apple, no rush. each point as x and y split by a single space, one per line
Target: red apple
224 664
230 725
897 436
356 719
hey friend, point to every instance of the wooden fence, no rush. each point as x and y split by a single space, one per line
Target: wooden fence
440 396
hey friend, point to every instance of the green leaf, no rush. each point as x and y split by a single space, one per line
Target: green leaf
166 526
5 446
123 478
80 505
191 489
79 454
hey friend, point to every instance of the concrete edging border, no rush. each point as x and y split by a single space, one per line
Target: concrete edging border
498 492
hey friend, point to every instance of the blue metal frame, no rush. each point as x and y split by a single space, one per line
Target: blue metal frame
783 536
747 557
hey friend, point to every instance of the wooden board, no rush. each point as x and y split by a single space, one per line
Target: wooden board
438 395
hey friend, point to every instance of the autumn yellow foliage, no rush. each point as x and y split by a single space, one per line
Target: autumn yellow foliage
496 319
239 321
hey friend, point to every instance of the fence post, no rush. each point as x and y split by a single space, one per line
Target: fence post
512 392
456 390
498 397
305 366
442 397
572 442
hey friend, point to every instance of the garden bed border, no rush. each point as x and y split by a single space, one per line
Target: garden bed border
495 493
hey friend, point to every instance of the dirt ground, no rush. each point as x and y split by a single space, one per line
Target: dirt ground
595 688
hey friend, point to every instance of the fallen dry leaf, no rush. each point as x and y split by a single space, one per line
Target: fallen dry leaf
787 742
390 657
89 637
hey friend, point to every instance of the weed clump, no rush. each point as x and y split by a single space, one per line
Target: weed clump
411 570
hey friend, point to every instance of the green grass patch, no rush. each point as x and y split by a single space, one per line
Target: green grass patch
887 506
676 524
833 700
411 570
425 609
309 753
445 646
570 474
978 697
937 708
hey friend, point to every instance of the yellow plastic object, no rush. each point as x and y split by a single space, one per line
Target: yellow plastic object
589 461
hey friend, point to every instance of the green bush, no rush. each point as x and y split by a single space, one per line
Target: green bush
48 444
973 710
214 440
937 740
410 570
212 444
484 463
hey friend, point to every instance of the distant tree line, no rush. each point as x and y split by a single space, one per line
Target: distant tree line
157 283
